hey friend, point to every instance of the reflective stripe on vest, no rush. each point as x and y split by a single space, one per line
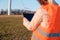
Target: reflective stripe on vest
47 34
34 37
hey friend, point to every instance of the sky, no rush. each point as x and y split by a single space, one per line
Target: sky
22 4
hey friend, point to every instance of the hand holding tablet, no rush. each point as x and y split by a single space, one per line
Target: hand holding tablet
29 16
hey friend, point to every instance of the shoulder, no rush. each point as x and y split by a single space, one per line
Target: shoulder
41 11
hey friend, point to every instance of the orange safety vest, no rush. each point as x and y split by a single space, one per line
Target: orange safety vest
53 31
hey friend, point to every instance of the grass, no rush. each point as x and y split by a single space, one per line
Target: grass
11 28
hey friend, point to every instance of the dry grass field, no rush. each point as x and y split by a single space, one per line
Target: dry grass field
11 28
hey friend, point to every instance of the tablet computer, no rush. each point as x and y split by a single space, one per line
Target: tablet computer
29 16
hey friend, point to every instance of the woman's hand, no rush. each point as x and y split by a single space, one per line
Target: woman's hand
25 21
27 24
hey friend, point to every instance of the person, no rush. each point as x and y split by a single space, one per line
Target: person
45 23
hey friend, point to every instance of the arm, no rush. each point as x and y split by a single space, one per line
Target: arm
45 21
36 20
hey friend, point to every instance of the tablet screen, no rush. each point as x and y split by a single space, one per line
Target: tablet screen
28 16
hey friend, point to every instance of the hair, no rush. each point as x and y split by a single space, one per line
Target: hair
43 2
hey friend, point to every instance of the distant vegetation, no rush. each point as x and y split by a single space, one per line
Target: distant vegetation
15 12
11 28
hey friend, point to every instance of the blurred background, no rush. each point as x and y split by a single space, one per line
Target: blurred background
11 26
